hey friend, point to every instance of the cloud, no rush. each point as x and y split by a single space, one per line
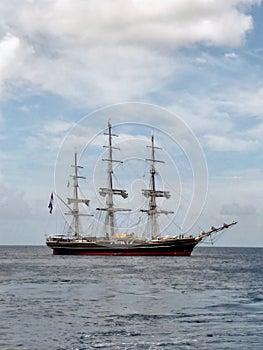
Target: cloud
247 100
226 118
168 24
99 52
48 136
28 108
24 218
3 137
230 120
238 210
13 205
8 47
231 55
15 55
57 127
227 143
202 112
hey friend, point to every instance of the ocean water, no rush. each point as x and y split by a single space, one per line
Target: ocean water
211 300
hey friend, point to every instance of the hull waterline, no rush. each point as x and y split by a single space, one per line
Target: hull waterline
120 253
182 248
126 253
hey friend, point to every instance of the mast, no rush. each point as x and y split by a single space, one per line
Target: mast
76 200
109 191
152 194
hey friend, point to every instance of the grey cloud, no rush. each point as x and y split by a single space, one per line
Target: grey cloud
237 210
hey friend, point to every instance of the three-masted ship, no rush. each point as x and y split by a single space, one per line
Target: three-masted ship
112 242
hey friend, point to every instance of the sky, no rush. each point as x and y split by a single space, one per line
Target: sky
188 70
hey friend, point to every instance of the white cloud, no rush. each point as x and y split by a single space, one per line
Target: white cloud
48 136
248 100
227 143
15 55
57 127
230 119
97 52
29 108
169 23
202 112
232 55
8 46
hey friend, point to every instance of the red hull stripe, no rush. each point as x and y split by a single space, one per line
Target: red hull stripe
56 252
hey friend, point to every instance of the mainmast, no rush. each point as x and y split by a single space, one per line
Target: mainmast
76 200
152 193
110 191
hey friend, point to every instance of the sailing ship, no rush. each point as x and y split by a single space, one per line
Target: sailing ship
128 244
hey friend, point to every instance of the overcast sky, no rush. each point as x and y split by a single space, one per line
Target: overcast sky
200 60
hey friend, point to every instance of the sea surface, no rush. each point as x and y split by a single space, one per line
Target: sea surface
211 300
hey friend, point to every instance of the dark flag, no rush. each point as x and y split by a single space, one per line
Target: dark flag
50 206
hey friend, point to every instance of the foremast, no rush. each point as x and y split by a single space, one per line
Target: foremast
152 194
75 200
110 191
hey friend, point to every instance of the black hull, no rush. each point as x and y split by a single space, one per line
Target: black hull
183 247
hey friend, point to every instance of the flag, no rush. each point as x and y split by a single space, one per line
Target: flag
50 206
109 124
